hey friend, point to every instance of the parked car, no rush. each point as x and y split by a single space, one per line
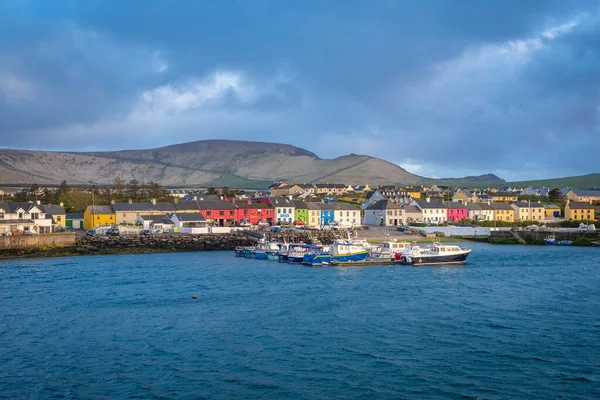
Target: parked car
145 232
91 232
69 229
113 232
275 229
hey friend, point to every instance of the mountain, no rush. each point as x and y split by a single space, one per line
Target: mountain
578 182
472 181
201 163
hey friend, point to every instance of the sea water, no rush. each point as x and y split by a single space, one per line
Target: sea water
516 322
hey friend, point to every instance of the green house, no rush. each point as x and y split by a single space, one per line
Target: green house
301 211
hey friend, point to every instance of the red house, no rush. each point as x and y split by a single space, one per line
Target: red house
254 212
218 212
457 211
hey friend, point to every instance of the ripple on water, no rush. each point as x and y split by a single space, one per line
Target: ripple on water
516 322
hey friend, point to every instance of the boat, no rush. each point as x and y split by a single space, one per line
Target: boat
596 244
241 250
266 250
551 241
389 250
298 251
435 254
340 251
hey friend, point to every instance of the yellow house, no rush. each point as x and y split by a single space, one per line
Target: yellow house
464 197
414 193
587 196
503 212
58 214
579 211
505 196
96 216
529 211
552 210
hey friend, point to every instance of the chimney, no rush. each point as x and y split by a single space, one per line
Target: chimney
130 201
195 197
62 204
112 202
428 199
38 202
153 201
249 201
176 200
233 200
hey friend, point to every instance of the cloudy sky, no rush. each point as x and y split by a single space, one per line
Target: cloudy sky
442 88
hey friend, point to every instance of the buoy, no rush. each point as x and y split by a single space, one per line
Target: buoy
194 296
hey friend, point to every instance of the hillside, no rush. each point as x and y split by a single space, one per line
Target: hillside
201 163
578 182
472 181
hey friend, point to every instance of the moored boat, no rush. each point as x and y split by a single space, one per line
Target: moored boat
435 254
596 244
551 241
389 250
340 251
299 251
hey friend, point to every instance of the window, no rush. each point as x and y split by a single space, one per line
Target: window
221 213
231 213
20 215
208 213
58 218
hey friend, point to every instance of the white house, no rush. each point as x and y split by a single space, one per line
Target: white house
433 211
24 217
156 222
185 221
385 212
284 209
346 214
372 198
480 212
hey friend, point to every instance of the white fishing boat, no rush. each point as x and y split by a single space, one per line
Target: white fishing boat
389 250
435 254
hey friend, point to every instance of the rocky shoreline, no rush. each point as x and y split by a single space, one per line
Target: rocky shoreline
166 243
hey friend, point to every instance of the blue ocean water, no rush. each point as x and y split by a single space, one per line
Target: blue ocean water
517 322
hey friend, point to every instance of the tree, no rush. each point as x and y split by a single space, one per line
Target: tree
212 190
133 189
555 195
119 192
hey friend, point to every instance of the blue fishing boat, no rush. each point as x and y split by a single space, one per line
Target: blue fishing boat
298 251
551 241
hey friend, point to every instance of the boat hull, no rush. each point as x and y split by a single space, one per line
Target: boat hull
271 255
454 259
327 258
248 253
558 243
260 254
596 244
283 258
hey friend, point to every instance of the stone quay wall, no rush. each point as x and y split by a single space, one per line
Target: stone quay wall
37 241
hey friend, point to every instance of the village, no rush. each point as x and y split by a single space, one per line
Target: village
304 206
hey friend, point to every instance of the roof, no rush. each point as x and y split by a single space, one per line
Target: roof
580 205
74 216
384 205
216 205
587 193
411 209
53 210
165 206
162 219
430 204
243 204
124 206
15 221
190 217
456 205
100 209
504 194
501 206
299 204
187 205
315 205
522 204
553 206
13 207
281 201
343 206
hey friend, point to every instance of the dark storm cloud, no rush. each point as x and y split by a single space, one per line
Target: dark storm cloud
445 88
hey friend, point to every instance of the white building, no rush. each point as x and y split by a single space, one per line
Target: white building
284 210
346 215
433 211
385 213
23 218
480 212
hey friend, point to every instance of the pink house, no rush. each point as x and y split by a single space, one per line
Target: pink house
457 212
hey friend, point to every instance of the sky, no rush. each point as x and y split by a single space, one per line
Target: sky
441 88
